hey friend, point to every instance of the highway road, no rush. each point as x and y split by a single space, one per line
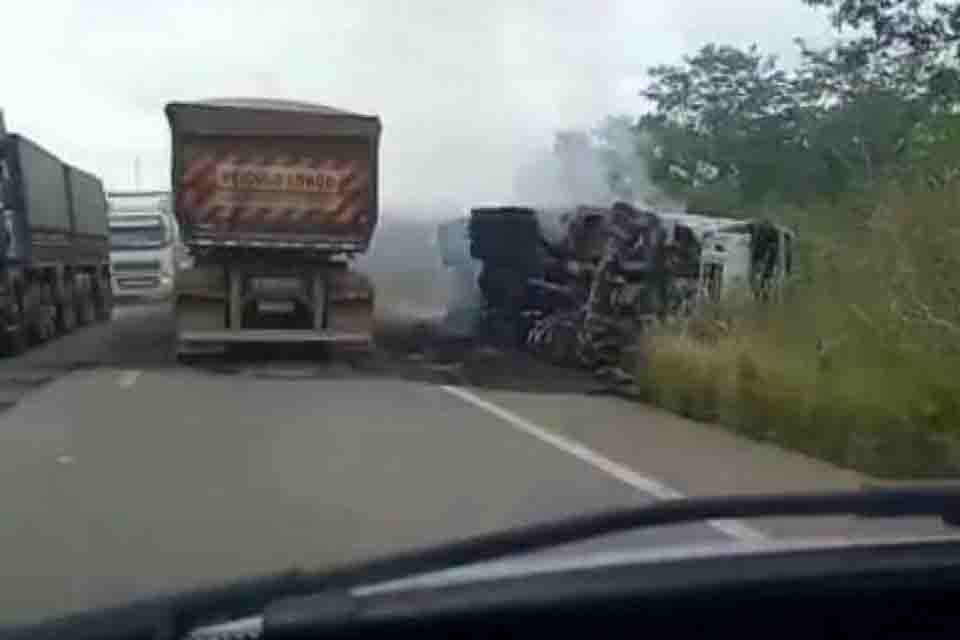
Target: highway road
126 473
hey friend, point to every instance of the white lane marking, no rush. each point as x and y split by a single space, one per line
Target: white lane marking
128 378
657 489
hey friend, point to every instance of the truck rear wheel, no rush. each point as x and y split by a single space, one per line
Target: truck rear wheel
103 299
67 311
86 308
13 340
40 312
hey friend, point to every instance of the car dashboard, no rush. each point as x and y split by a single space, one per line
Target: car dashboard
877 591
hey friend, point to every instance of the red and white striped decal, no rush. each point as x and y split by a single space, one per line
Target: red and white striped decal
212 192
278 214
354 200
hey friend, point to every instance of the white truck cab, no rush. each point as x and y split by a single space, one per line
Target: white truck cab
736 256
145 248
725 264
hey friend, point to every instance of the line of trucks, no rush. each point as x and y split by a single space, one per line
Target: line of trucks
272 200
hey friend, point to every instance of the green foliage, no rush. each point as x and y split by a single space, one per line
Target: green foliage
933 148
716 120
858 365
729 128
916 26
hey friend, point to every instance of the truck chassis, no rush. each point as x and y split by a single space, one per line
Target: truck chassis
254 300
41 301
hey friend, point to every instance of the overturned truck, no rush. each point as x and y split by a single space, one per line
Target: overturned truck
576 285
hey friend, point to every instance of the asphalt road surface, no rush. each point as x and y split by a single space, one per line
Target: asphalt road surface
126 473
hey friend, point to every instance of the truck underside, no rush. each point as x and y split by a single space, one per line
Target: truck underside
45 300
583 295
271 298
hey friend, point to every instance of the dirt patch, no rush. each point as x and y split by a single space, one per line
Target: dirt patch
425 342
409 346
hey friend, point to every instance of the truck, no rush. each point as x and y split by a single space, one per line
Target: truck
274 200
145 248
578 284
54 245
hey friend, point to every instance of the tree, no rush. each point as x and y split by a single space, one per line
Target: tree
918 36
858 116
920 27
876 94
729 127
725 119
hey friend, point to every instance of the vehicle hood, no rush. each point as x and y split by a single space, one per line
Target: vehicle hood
556 561
559 561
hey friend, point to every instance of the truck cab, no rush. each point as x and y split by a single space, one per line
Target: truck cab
145 248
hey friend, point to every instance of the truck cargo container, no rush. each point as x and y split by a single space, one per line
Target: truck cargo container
54 246
274 199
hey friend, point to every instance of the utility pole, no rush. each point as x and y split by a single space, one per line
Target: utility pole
3 124
136 173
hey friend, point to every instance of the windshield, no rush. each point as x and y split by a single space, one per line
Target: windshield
429 270
149 237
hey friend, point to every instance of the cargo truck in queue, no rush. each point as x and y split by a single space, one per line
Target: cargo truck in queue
274 199
145 248
54 245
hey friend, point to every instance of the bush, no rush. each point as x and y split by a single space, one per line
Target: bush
859 365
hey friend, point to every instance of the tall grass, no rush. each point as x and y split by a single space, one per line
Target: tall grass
860 364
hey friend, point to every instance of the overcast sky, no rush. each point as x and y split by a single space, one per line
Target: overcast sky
467 90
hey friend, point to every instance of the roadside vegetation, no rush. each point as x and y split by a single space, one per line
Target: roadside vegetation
858 149
859 364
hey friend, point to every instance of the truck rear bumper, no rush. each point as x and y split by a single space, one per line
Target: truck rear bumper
253 336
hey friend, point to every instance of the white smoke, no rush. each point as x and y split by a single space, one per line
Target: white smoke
591 168
571 173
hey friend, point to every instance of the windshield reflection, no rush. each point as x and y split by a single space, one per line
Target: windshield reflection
152 237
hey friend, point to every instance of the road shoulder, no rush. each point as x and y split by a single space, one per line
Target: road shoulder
697 459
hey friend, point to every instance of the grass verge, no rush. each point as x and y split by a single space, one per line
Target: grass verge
859 366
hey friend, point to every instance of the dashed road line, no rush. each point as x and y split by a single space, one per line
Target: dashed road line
645 484
127 379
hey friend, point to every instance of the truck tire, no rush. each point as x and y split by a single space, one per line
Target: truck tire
41 325
103 299
67 311
562 345
86 308
13 341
